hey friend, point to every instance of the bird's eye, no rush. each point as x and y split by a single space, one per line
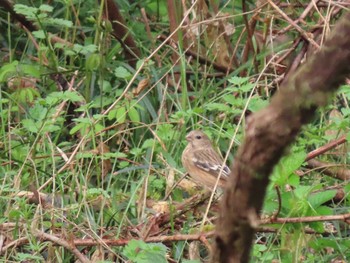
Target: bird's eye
198 137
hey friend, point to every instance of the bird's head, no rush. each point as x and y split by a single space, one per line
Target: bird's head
198 139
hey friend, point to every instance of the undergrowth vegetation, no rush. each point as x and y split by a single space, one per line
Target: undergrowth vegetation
91 140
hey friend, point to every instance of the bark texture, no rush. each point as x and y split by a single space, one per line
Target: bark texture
269 132
121 32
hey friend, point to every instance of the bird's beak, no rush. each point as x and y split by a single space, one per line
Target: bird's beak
188 138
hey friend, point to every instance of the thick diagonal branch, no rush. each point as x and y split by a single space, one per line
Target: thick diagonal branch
269 133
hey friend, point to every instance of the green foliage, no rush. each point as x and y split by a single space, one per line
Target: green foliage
41 15
79 125
284 172
141 252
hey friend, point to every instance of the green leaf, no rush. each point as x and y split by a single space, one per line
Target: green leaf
98 127
257 104
122 73
294 180
53 98
348 137
246 87
217 106
136 151
166 131
59 22
234 101
30 125
7 69
115 155
345 112
85 155
347 189
134 115
302 192
46 8
121 114
324 211
287 166
317 226
31 70
149 143
25 257
51 128
88 49
39 34
111 114
317 199
141 252
28 11
238 80
93 62
229 98
38 112
73 96
78 127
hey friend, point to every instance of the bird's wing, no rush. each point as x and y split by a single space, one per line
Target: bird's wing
209 161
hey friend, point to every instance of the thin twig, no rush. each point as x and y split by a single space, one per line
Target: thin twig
298 28
325 148
306 219
67 245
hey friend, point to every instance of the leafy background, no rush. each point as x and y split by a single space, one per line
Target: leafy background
91 142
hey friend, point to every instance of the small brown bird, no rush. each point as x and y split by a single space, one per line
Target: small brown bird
202 162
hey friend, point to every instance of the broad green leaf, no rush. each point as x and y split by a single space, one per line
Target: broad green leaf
287 166
98 127
78 127
303 191
122 73
134 115
31 70
319 198
39 34
121 114
149 143
294 180
317 226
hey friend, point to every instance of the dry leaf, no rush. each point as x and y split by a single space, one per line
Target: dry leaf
144 83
